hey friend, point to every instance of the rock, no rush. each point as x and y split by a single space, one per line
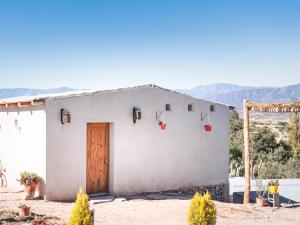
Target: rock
121 199
156 196
96 199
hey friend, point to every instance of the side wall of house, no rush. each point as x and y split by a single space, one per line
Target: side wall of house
143 157
23 143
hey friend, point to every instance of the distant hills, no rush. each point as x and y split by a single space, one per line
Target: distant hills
231 94
14 92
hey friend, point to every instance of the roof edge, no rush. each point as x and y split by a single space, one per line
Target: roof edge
43 97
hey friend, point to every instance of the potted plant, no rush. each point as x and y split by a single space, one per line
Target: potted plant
273 186
24 210
260 193
30 182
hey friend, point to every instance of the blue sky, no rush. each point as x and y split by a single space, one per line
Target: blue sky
175 44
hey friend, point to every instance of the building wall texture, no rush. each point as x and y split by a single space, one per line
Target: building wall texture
143 158
23 143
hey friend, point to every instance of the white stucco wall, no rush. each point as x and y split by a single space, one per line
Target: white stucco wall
142 157
23 142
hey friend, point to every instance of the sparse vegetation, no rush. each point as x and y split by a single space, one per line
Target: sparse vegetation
13 218
294 135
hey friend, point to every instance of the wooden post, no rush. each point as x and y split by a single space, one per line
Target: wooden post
246 152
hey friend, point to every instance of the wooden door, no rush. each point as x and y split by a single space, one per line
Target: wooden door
97 158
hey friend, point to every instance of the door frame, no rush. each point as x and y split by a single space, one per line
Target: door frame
108 154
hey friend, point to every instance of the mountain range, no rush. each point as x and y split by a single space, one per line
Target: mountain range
14 92
229 94
232 94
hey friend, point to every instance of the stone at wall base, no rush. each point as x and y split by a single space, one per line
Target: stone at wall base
219 192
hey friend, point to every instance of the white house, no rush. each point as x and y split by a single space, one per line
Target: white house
123 141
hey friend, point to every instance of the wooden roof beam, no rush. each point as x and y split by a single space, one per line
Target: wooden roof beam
11 105
22 104
273 107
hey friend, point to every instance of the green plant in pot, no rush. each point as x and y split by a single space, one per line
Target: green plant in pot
24 210
260 193
30 181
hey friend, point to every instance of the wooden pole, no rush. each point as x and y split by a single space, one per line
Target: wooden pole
246 152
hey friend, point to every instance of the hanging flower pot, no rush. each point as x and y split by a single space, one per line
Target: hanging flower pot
162 125
208 127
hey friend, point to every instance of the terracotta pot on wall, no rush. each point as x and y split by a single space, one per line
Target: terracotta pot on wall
24 211
261 202
30 189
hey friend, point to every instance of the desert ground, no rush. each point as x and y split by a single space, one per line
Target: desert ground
143 211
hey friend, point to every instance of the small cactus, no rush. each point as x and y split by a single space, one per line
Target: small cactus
202 210
80 213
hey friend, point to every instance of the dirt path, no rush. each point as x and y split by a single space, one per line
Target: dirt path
156 212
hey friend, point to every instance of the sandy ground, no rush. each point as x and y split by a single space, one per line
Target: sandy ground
155 212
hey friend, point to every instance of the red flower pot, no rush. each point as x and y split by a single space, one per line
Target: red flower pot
208 127
162 125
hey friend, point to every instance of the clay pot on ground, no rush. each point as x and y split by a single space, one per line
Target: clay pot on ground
24 211
30 189
261 202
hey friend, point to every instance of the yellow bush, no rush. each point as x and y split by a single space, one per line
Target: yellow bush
80 213
202 210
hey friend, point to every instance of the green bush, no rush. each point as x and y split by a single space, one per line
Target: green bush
202 210
273 169
270 170
292 169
